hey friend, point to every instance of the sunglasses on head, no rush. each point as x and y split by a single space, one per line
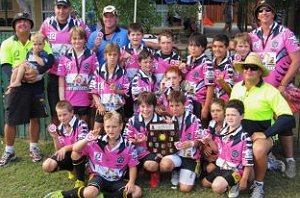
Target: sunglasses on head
264 9
251 67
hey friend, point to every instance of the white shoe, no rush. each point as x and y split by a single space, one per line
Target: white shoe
234 191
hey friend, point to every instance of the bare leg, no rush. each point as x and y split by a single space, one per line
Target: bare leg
287 145
10 134
34 130
19 74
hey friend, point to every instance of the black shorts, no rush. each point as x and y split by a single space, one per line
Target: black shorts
150 157
52 91
20 107
81 110
66 163
188 164
228 175
99 118
108 187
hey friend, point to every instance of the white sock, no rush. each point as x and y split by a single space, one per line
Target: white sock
289 159
259 184
9 149
33 146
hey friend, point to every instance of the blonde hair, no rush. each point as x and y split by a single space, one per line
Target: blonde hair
38 37
243 37
113 115
64 104
112 47
78 31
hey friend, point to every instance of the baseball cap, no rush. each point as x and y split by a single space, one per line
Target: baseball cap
110 9
63 2
22 15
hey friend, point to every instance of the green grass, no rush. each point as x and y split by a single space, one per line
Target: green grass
26 179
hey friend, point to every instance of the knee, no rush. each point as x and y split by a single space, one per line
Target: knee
166 165
205 183
90 192
75 155
137 192
217 188
49 165
185 188
151 166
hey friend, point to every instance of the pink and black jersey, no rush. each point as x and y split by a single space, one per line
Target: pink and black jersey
100 85
58 37
136 125
77 72
132 64
190 128
200 74
110 163
79 129
234 150
275 50
162 63
224 69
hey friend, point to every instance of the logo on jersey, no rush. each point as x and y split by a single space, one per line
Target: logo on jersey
189 136
120 160
235 154
118 41
97 156
86 66
68 66
274 44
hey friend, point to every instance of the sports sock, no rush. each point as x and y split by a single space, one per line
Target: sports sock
9 149
79 168
259 184
33 146
289 159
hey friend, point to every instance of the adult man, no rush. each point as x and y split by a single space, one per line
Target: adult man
56 29
280 51
110 33
25 103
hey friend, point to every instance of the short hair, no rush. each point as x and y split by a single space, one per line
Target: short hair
38 37
222 38
166 33
112 47
177 96
236 104
244 37
144 54
147 97
174 69
198 39
135 27
78 31
220 102
113 115
64 104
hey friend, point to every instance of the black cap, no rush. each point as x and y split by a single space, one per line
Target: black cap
63 2
22 15
265 3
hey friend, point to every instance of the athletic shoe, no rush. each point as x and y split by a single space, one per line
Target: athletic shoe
6 158
290 171
257 191
175 179
276 165
71 175
78 184
35 155
154 179
234 191
55 194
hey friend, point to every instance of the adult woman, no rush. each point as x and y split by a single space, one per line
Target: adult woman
280 51
261 101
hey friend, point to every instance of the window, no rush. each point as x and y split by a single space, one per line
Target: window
6 5
47 8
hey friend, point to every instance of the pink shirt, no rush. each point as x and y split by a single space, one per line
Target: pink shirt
77 77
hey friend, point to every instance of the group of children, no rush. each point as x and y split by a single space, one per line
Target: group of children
158 87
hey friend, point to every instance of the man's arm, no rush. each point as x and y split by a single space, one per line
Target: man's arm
7 69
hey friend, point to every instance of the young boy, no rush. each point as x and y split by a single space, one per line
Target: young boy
186 160
36 58
144 80
235 155
109 85
70 130
110 156
136 132
166 56
222 66
199 78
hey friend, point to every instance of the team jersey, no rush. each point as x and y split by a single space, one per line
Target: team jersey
234 150
136 125
199 75
60 38
275 50
119 36
79 129
189 129
77 77
132 63
34 64
110 163
162 62
224 69
100 85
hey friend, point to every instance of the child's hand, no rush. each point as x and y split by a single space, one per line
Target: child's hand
220 78
100 109
207 151
129 187
182 66
185 145
60 154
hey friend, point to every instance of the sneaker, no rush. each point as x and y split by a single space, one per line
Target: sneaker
175 179
290 171
6 158
257 191
55 194
276 165
154 179
35 155
78 184
234 191
71 175
271 156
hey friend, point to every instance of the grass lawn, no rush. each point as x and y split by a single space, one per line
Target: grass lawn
26 179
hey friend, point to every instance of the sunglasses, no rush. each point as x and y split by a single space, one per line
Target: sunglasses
264 9
251 67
